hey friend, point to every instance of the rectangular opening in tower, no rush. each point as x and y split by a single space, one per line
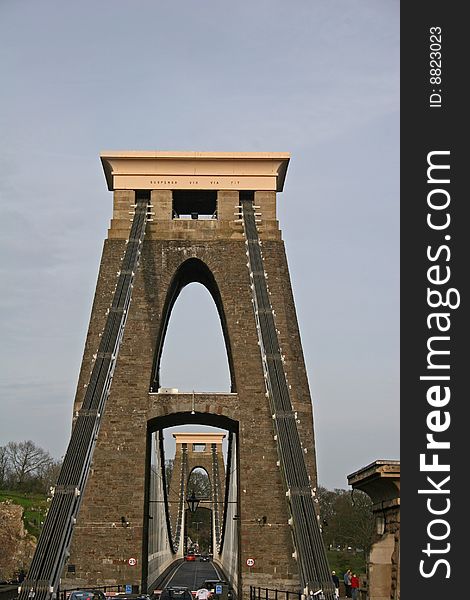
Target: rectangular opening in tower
194 204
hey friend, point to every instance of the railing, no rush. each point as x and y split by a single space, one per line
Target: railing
64 594
258 593
7 591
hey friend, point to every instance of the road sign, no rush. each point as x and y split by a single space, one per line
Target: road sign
250 562
218 589
128 588
132 562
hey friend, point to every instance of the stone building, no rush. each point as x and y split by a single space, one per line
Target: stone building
381 482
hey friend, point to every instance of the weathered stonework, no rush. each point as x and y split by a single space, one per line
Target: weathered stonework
381 481
16 544
101 547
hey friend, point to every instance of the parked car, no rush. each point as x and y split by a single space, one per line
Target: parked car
87 595
176 593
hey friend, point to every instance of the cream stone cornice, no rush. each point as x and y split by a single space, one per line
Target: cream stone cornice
130 169
198 438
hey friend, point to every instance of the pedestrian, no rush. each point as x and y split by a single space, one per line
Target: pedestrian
347 583
335 579
354 586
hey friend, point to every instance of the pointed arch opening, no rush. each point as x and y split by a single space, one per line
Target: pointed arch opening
191 355
199 483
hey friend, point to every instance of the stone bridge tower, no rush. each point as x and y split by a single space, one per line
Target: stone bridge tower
195 235
203 451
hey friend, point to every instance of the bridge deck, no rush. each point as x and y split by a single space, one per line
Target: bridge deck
192 574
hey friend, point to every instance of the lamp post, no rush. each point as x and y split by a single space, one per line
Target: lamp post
197 523
193 503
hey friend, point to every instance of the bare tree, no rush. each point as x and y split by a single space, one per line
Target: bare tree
48 475
4 466
27 460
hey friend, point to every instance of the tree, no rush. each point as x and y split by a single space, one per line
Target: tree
47 475
199 483
346 518
169 464
27 461
4 467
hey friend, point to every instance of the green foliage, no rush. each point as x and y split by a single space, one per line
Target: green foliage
169 465
35 508
199 528
342 561
347 527
199 524
199 484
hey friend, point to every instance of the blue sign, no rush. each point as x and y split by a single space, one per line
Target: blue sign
218 589
128 589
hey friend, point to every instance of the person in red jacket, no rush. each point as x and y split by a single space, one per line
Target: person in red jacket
354 586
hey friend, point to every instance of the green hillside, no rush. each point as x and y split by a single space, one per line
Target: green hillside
35 508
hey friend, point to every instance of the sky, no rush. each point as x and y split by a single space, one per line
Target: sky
317 79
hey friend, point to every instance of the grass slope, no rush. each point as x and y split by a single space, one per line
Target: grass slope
35 508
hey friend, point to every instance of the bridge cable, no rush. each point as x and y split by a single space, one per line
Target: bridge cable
215 486
311 556
53 545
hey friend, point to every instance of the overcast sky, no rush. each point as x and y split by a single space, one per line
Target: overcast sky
316 78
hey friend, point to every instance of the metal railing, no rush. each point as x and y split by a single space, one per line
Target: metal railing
64 594
259 593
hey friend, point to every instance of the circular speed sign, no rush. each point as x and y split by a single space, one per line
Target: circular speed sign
132 562
250 562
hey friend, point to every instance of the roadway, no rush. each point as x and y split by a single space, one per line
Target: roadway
192 574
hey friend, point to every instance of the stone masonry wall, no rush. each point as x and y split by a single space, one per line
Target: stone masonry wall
101 547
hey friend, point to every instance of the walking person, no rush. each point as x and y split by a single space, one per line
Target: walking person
354 587
335 579
347 583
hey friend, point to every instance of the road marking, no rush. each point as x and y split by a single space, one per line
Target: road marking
219 576
173 574
194 586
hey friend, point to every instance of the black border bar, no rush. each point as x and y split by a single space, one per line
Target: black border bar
434 337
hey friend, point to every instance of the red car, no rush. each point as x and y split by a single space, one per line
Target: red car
189 557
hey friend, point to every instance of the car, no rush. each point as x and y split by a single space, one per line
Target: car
210 584
204 558
189 557
176 593
87 595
